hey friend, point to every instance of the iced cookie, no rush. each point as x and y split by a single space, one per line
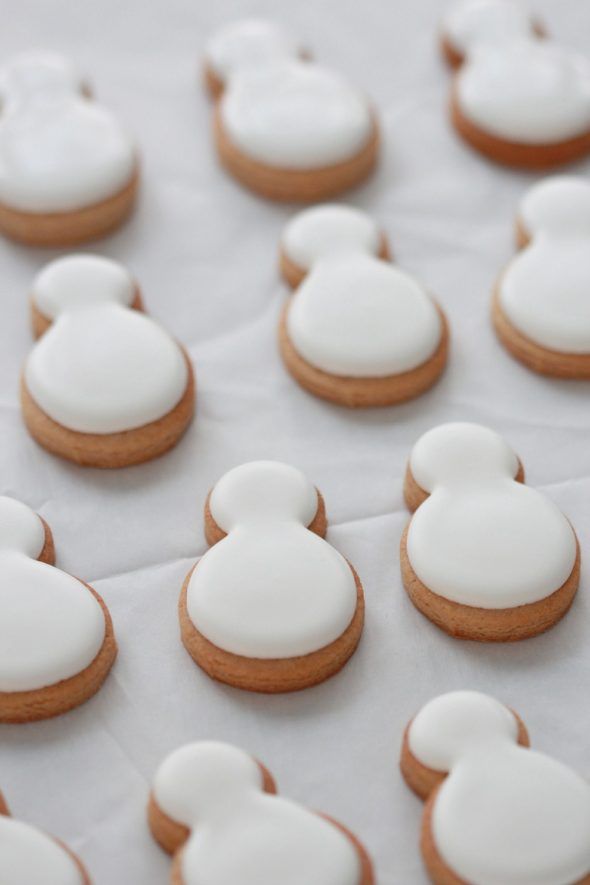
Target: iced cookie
484 557
357 331
105 385
216 810
68 170
271 606
517 96
30 857
497 813
284 126
541 305
57 644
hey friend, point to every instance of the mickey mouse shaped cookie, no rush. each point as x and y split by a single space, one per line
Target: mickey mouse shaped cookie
105 385
541 305
357 331
484 556
30 857
284 126
214 808
57 644
271 607
68 170
517 96
497 813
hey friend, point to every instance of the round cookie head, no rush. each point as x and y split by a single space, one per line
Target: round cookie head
246 43
21 530
558 206
44 76
78 281
472 23
329 229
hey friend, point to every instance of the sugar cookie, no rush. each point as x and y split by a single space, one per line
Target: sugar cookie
357 331
484 556
57 644
517 97
30 857
105 385
541 304
497 813
271 607
68 170
216 810
284 126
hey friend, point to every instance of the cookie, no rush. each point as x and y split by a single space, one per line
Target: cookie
30 857
541 308
357 331
105 385
68 171
517 97
284 126
484 556
57 644
496 812
271 607
215 809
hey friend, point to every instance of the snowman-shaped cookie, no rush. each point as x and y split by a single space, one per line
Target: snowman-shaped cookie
56 636
30 857
517 96
497 813
214 807
68 170
284 126
541 305
105 385
357 331
271 606
484 556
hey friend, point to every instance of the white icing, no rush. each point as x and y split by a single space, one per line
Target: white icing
355 314
281 110
545 291
505 815
59 150
271 588
29 857
242 834
481 538
51 626
100 368
514 85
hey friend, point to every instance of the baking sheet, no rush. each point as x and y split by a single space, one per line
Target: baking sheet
205 254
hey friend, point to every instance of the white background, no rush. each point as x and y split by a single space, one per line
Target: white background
205 252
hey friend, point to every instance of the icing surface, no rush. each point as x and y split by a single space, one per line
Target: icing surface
51 626
29 857
241 834
514 85
545 291
355 314
281 110
100 368
271 588
59 151
481 538
505 815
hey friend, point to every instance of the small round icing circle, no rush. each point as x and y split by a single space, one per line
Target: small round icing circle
248 43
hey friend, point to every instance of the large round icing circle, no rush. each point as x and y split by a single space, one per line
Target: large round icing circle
544 291
29 857
272 588
248 43
481 539
59 150
100 368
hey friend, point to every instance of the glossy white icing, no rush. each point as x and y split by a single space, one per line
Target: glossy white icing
51 626
29 857
505 815
241 834
355 314
481 538
100 368
59 150
545 291
271 588
249 43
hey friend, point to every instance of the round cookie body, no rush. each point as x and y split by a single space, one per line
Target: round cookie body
28 855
